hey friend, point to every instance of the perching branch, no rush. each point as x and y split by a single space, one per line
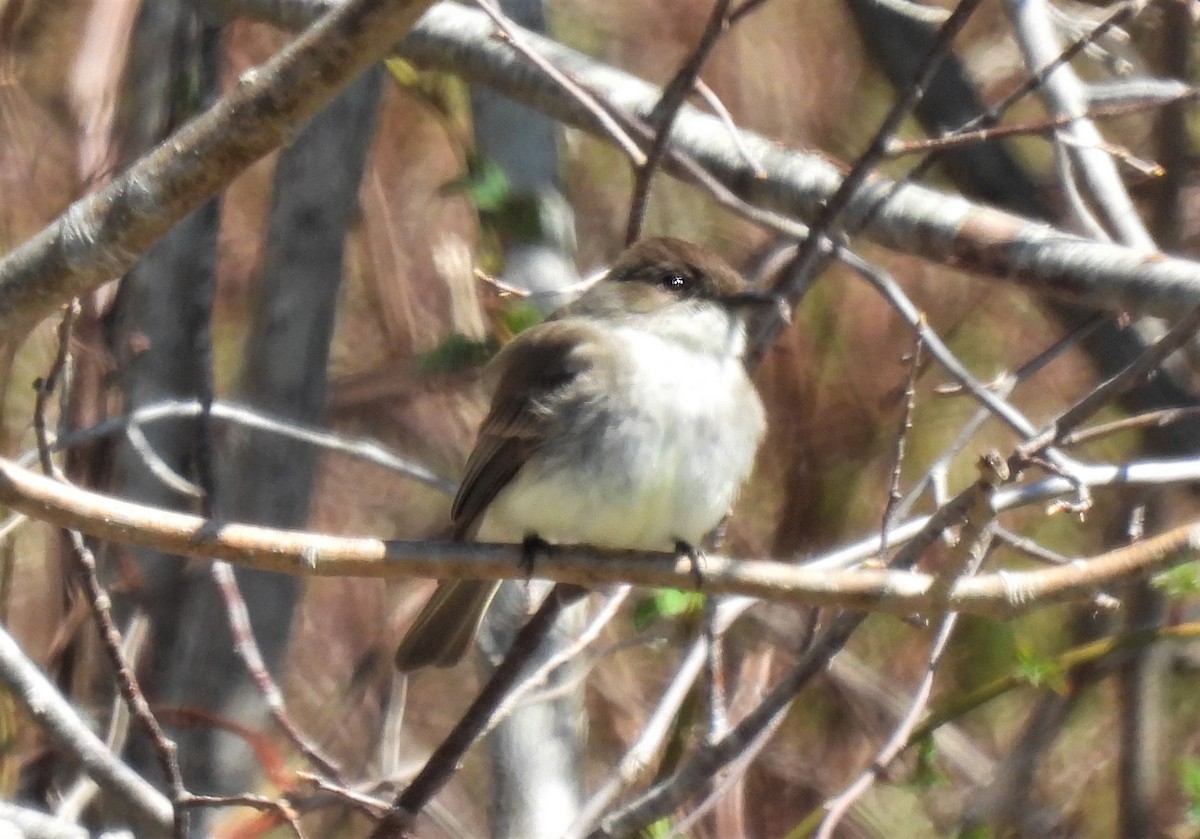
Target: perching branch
1000 594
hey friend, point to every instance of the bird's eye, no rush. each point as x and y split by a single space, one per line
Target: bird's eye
676 282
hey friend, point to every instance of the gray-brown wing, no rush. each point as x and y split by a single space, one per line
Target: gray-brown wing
529 373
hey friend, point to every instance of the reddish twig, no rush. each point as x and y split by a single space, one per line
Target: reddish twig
991 133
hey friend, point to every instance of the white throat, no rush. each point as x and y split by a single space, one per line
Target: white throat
699 326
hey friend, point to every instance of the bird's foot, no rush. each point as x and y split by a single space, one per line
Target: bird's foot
531 545
695 558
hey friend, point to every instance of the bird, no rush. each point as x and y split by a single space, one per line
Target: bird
626 420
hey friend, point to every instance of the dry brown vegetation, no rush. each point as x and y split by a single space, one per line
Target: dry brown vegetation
1079 741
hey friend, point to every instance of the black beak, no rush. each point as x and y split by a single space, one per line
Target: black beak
752 299
759 306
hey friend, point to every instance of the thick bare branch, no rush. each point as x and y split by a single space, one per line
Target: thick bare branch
101 235
944 228
55 716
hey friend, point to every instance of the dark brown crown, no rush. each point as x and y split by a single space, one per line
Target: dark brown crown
679 267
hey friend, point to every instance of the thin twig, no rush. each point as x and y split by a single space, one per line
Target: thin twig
718 108
445 758
1123 380
1150 419
1030 548
969 137
158 467
562 654
664 113
367 804
973 549
363 448
1147 168
101 609
906 423
12 524
571 87
733 774
813 253
247 650
280 809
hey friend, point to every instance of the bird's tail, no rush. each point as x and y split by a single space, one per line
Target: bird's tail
445 628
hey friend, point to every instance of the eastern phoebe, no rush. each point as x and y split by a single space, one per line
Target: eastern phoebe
627 420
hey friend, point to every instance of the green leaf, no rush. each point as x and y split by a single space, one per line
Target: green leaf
518 315
503 214
673 602
1189 785
456 352
405 74
656 830
925 773
1180 581
1039 671
485 185
666 603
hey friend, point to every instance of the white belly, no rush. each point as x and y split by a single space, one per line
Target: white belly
656 460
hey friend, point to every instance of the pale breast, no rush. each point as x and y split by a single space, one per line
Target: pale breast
652 455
